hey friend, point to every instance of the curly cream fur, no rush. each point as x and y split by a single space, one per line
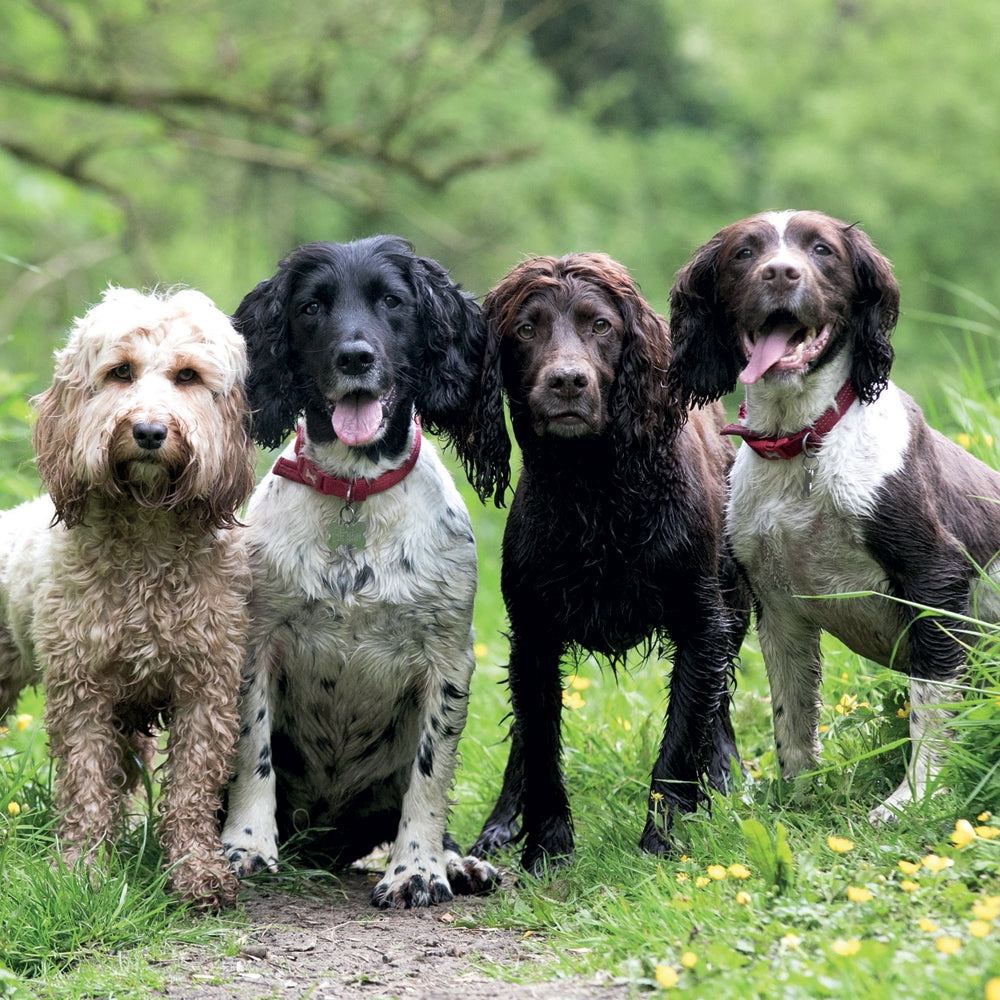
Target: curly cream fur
125 588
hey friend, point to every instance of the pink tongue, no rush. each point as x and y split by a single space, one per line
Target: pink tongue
767 351
356 419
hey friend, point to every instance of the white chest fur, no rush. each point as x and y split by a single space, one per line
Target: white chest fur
798 543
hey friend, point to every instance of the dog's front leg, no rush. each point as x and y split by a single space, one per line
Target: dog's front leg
501 826
422 868
250 835
928 738
199 752
698 742
89 772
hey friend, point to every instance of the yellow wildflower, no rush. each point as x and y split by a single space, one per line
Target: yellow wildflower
927 925
578 683
480 650
979 928
624 723
963 834
904 712
14 808
858 894
908 867
739 871
987 908
790 940
743 898
987 832
909 886
23 721
701 881
840 845
935 863
716 872
846 948
963 440
682 877
949 945
572 699
689 960
667 976
992 991
984 817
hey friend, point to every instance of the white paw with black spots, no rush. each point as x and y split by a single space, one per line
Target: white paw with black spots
246 855
404 888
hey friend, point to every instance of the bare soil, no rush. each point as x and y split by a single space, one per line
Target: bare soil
340 946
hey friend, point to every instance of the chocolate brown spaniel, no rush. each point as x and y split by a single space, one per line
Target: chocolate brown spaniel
614 537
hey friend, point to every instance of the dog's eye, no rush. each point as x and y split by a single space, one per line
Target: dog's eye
601 327
186 376
310 309
525 332
744 253
121 373
822 250
391 301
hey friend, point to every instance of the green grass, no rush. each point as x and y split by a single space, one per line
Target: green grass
788 929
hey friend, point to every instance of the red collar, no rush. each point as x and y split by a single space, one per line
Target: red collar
795 444
306 471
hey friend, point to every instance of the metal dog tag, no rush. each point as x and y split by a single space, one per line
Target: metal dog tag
347 530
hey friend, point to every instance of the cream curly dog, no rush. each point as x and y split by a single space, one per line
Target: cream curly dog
124 589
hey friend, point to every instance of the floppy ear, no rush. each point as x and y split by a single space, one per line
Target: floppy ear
642 402
238 468
706 354
453 345
876 310
54 438
483 444
274 399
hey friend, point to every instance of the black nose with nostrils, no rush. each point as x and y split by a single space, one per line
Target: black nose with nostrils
355 358
149 435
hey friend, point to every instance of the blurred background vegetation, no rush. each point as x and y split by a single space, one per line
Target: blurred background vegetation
193 141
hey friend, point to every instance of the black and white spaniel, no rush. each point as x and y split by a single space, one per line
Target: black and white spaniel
841 487
364 568
614 538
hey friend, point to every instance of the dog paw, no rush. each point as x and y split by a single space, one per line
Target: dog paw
472 876
404 890
211 886
537 861
494 839
246 861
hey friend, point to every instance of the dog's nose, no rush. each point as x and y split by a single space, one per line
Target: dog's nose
781 273
355 358
149 435
567 382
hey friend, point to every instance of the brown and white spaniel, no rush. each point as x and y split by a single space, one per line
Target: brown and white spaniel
841 487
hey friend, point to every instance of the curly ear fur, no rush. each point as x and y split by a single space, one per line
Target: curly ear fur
707 358
642 404
274 399
53 439
454 342
876 310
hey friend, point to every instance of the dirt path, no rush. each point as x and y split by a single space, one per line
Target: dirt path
341 947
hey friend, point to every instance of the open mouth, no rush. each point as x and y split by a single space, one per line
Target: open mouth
781 344
359 417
